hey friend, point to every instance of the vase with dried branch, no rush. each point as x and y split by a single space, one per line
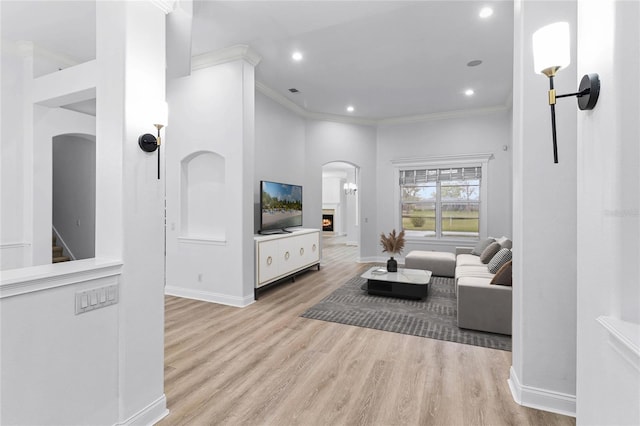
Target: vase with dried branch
393 244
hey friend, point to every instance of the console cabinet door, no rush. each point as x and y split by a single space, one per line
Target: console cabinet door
268 260
280 257
308 248
288 259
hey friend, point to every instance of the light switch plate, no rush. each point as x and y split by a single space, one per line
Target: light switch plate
96 298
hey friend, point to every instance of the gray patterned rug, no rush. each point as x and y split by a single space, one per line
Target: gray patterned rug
434 317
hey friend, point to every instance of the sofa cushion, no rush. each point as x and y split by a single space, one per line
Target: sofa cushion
505 242
467 259
484 307
440 263
503 276
480 271
502 257
489 252
481 246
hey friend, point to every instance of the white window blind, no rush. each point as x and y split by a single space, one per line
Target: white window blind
418 176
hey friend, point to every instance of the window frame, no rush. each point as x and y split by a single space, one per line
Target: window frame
438 162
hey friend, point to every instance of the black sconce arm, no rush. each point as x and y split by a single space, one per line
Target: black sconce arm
588 93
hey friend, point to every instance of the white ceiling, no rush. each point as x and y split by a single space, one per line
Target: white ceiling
386 58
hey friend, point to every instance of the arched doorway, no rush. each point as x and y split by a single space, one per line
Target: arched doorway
341 204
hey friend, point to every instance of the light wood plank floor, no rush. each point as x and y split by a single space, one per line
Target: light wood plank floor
265 365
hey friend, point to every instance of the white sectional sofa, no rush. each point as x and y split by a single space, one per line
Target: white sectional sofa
484 302
482 305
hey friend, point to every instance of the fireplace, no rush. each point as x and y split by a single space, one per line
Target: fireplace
327 222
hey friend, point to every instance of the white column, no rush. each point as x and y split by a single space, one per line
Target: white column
543 373
25 49
608 386
130 51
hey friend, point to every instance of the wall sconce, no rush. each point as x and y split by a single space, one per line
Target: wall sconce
150 143
350 188
551 47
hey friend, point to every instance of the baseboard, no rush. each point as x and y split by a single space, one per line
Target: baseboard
378 259
205 296
149 415
541 399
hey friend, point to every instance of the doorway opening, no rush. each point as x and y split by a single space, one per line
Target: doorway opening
341 203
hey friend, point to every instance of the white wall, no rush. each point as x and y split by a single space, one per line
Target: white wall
14 245
543 373
280 152
58 367
74 193
216 268
608 384
352 212
487 132
105 366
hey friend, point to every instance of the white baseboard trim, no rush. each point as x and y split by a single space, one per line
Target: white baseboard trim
541 399
149 415
205 296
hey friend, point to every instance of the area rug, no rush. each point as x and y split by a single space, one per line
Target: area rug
433 317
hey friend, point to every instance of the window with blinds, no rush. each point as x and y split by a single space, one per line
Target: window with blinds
441 202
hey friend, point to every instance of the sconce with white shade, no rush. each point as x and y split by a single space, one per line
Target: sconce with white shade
149 142
551 53
350 188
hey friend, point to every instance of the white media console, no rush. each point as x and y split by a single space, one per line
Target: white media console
280 256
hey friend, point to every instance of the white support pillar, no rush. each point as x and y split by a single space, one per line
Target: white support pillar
130 51
543 374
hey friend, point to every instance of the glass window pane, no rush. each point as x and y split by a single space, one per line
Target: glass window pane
460 219
419 209
445 199
419 218
461 190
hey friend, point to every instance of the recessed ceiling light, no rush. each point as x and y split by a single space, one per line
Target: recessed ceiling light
350 108
485 12
296 56
474 63
469 92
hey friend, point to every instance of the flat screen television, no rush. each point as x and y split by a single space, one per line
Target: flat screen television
280 206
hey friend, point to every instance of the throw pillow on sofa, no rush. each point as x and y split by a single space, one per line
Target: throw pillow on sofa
504 242
501 257
503 276
481 246
489 252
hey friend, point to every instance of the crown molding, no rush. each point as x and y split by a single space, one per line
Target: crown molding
281 99
446 115
481 157
222 56
292 106
340 118
166 6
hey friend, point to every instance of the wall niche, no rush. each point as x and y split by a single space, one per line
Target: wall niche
203 196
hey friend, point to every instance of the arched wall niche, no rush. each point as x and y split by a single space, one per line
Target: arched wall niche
203 196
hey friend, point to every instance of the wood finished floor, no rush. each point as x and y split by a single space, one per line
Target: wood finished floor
265 365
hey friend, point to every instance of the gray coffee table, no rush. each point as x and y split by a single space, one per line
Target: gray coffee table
406 283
